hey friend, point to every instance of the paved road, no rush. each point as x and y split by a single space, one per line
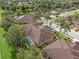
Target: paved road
72 33
68 13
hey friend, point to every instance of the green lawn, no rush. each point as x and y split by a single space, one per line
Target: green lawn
5 50
0 13
0 54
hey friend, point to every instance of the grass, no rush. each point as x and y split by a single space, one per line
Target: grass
5 50
65 36
0 54
0 13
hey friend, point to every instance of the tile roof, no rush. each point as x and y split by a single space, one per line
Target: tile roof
62 49
39 34
59 53
24 19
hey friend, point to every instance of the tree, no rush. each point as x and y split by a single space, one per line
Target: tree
33 53
21 48
75 16
15 36
5 24
7 21
16 39
64 25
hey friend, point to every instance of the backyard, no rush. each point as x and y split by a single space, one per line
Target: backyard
5 50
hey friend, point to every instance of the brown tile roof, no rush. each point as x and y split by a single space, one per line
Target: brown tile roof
58 44
75 53
59 53
62 49
76 22
39 34
76 47
24 19
76 57
37 23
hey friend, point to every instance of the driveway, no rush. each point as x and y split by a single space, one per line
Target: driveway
72 33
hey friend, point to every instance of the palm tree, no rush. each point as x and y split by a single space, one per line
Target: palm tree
64 25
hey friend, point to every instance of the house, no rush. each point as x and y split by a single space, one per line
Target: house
38 34
34 30
24 19
76 24
70 20
61 49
